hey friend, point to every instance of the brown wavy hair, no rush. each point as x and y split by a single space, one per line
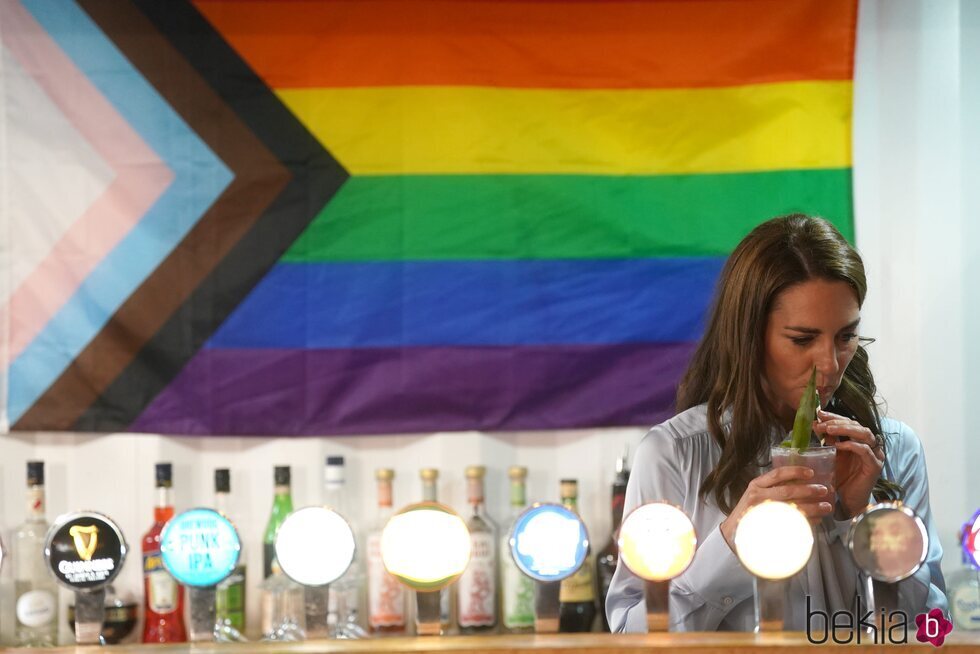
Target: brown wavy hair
727 369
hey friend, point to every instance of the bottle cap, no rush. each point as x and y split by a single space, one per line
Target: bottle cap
569 489
429 474
476 472
282 475
165 475
517 473
222 480
334 472
384 474
35 473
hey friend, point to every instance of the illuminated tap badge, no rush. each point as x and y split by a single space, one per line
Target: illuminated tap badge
971 540
549 542
200 547
85 551
888 541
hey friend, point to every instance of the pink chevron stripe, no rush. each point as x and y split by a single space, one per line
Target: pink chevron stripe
141 177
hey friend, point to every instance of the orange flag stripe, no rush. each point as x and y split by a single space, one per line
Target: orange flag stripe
539 44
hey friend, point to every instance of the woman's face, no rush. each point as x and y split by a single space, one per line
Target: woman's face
814 323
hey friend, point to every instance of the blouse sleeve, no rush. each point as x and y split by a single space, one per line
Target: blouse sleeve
926 589
715 582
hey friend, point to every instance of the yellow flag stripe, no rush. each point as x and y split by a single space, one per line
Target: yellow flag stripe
478 130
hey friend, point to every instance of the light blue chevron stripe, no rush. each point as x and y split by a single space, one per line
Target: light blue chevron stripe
200 177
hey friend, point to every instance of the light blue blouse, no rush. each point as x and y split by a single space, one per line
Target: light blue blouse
715 592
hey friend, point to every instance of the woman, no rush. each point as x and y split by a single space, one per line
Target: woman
788 300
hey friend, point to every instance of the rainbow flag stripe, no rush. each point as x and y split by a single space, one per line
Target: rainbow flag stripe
495 214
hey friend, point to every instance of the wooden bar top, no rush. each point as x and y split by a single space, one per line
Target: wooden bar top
688 643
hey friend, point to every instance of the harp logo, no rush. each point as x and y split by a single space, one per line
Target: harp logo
86 540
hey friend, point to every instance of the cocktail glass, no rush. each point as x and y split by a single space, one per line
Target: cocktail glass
822 460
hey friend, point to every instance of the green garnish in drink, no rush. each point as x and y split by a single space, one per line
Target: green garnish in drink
805 415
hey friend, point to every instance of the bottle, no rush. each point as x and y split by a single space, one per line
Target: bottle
386 596
476 591
517 588
608 558
283 610
430 493
577 594
282 506
344 596
964 586
230 593
163 597
36 604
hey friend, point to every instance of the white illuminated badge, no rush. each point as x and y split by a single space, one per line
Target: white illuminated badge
85 551
426 546
773 540
314 546
888 541
199 547
549 542
657 541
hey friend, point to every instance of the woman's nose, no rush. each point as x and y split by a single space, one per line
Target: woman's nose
827 363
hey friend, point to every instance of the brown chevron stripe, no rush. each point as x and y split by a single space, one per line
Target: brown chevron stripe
258 179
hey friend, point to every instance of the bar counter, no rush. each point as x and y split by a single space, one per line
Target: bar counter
691 643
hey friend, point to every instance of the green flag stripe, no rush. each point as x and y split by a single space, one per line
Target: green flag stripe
451 217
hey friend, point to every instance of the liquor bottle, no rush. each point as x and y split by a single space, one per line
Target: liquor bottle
283 613
964 588
282 506
609 556
36 604
430 493
163 597
386 596
577 594
230 595
517 588
344 595
476 591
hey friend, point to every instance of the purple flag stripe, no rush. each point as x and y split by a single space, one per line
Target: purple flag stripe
418 389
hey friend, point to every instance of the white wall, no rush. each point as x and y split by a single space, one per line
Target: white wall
916 152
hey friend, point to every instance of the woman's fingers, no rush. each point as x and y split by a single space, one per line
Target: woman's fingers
782 475
872 458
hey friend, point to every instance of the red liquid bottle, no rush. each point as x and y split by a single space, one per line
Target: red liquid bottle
163 597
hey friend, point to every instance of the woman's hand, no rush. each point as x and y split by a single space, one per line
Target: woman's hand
786 484
859 460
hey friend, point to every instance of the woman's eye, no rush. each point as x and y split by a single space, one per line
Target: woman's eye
801 340
848 337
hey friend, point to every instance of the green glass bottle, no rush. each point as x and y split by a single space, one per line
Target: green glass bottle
282 506
230 595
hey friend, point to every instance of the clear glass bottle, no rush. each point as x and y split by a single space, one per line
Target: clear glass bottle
163 597
577 595
343 616
283 610
476 590
36 594
387 599
517 589
608 557
430 493
230 593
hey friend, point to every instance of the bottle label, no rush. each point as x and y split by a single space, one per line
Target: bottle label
161 587
965 606
518 595
36 608
386 597
579 587
230 600
477 588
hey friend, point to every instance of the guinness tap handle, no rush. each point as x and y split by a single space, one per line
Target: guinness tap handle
89 616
